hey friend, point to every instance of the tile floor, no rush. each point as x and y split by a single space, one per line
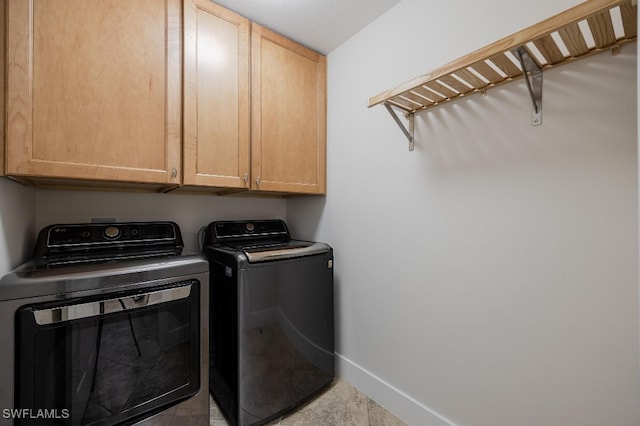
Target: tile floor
341 404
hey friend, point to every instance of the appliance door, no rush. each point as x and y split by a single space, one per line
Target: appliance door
103 361
285 336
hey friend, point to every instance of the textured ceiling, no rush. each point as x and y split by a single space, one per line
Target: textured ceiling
319 24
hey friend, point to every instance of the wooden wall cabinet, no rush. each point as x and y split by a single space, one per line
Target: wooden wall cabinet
95 97
288 113
254 116
94 91
216 97
3 8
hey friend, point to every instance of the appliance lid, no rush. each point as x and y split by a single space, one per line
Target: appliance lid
30 280
261 240
292 249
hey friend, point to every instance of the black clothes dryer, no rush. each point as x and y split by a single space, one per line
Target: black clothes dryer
107 324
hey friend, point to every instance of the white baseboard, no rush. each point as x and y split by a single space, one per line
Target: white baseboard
399 403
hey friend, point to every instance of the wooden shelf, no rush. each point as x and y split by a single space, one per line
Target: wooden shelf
588 28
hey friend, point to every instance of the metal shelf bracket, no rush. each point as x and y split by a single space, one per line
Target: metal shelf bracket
533 77
407 132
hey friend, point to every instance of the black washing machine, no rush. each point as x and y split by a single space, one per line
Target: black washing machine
271 344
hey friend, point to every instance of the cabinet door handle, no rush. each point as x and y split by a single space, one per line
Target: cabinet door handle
246 178
174 172
258 181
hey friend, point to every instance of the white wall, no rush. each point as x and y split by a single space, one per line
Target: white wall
190 212
491 276
17 224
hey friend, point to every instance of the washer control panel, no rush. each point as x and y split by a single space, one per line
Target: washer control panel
105 233
239 230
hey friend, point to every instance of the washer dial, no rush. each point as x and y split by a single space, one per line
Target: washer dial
111 232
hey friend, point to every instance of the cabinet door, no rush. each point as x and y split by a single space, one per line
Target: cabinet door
288 98
216 96
94 90
3 55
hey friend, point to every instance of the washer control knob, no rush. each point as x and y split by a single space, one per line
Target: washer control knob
250 227
112 232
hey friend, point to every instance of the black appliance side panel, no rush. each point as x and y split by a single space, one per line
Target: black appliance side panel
286 335
223 333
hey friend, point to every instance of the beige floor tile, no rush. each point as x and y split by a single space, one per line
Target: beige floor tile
340 405
215 415
378 416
